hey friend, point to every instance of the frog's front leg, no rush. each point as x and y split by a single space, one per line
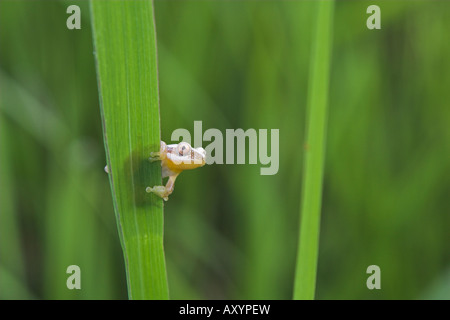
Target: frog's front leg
159 155
163 191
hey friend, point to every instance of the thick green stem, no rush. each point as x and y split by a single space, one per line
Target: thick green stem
125 48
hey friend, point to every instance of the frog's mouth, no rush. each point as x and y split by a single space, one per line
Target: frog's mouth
198 156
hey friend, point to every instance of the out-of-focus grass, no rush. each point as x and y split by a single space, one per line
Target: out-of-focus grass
57 172
12 273
386 169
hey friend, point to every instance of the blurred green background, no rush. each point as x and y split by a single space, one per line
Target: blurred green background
231 233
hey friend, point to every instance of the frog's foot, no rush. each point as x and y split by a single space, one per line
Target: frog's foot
160 191
159 155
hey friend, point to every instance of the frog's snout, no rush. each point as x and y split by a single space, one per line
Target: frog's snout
202 152
200 156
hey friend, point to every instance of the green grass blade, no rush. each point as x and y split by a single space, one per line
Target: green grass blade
306 269
125 46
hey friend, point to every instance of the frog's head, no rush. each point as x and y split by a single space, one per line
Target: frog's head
184 157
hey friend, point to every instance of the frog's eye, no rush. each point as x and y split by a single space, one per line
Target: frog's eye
183 148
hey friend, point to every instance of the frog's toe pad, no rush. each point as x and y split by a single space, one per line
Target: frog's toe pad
158 190
154 156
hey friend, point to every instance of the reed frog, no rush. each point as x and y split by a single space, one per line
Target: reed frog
174 159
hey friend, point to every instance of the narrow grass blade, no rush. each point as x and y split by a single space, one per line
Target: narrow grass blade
305 276
125 46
